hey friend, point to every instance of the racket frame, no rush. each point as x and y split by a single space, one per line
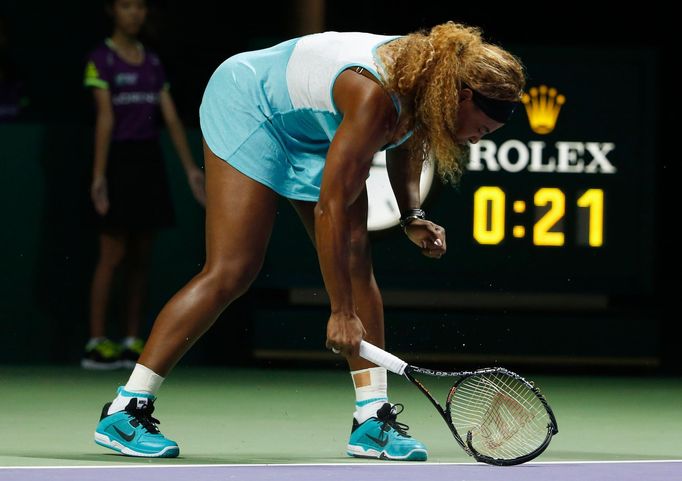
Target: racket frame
467 446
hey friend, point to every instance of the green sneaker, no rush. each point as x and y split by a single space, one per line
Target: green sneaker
133 431
131 352
383 437
101 354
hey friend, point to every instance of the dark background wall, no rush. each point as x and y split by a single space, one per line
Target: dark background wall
48 244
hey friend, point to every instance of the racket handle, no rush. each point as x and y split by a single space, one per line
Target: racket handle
382 358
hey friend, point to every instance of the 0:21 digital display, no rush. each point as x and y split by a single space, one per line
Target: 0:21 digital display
490 212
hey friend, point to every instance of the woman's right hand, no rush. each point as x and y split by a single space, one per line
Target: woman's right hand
344 333
99 195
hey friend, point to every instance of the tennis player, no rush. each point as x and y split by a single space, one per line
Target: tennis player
302 120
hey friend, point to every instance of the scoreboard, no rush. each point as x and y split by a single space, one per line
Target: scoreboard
561 199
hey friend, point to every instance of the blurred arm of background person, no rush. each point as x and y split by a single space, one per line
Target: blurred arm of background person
104 125
195 176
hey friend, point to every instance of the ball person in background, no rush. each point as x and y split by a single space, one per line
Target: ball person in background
302 120
129 187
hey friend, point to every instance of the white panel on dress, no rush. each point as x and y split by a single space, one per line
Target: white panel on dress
316 61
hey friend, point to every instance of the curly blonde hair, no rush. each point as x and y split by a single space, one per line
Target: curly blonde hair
429 68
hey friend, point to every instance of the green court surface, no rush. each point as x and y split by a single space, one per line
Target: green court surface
227 415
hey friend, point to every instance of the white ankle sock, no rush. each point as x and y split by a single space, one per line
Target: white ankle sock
128 341
142 384
143 380
372 393
93 341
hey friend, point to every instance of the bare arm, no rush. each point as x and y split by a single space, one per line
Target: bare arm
368 119
104 125
404 176
176 129
195 176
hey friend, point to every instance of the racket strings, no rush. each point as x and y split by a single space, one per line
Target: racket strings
504 416
503 419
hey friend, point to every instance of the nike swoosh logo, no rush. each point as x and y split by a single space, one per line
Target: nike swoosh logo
127 437
380 442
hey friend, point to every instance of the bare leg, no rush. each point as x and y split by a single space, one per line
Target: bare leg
239 216
366 293
138 262
112 248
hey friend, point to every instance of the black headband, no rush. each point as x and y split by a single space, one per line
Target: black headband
498 110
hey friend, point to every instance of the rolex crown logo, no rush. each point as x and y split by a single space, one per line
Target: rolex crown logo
542 107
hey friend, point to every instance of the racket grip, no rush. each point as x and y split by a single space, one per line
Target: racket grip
382 358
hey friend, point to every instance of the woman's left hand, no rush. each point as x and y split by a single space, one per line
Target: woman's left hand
197 182
428 236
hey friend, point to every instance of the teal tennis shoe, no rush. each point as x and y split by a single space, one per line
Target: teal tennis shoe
383 437
133 431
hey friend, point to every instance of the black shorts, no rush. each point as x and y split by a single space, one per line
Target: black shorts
139 196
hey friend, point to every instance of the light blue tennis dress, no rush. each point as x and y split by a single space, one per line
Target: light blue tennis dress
271 115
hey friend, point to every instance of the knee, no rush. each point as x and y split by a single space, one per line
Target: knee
229 280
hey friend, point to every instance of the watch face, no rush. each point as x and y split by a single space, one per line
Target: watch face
383 212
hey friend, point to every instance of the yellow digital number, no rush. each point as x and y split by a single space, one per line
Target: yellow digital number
593 199
489 222
557 208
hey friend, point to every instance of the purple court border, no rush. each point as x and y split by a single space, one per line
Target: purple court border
561 471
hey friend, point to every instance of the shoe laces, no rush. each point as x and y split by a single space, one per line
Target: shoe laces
143 415
387 414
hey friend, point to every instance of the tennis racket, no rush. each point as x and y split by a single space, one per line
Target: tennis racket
494 414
